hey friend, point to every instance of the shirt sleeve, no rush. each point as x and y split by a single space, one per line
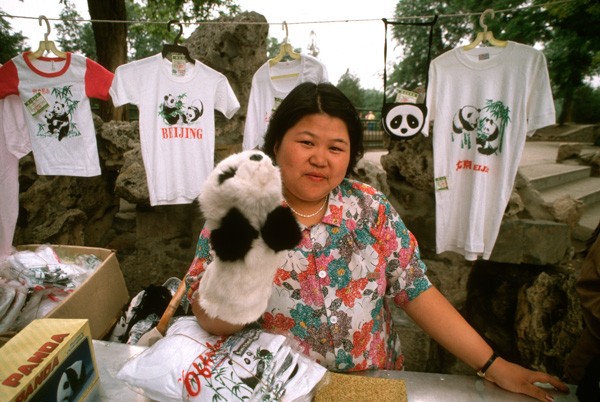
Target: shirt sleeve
204 256
540 105
430 99
9 80
125 85
405 271
225 99
14 127
97 80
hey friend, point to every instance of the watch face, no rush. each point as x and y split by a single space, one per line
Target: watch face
403 120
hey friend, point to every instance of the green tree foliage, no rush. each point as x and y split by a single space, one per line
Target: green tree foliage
73 36
349 84
411 71
587 101
148 39
568 33
361 98
11 44
372 99
272 47
143 40
573 51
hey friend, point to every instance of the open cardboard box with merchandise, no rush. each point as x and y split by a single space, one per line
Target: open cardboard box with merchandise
100 298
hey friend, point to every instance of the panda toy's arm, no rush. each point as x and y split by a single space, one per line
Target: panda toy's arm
280 230
233 239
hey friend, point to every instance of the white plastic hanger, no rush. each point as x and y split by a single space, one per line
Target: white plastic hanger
285 50
46 45
486 35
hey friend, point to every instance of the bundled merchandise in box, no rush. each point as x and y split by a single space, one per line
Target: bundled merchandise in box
49 360
61 282
32 283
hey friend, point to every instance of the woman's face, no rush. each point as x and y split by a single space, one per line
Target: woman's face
313 157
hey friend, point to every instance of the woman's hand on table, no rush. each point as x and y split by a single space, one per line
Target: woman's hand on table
515 378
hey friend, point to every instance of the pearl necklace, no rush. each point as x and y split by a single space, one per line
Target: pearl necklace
311 215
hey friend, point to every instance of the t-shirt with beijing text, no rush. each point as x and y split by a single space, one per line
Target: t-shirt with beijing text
177 122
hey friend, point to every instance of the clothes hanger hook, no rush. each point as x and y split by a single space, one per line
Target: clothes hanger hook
180 29
482 18
285 27
43 18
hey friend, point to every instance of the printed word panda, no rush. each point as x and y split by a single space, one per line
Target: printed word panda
242 204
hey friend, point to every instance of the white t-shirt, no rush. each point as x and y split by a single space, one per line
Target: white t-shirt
59 118
269 86
177 122
14 144
483 102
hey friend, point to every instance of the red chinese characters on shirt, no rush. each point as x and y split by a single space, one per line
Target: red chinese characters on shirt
466 164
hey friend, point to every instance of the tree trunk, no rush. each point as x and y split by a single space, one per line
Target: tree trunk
111 45
565 115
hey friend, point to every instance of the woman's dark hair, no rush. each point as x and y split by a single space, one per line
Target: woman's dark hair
309 98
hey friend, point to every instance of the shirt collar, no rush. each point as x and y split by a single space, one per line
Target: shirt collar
335 208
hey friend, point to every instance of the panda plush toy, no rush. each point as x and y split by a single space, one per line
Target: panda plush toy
250 229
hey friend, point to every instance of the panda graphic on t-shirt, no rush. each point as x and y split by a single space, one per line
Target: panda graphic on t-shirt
487 124
174 111
59 125
57 119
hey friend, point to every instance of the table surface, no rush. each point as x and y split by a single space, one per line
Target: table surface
111 356
460 388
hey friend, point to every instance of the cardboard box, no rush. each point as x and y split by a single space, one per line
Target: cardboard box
49 360
102 296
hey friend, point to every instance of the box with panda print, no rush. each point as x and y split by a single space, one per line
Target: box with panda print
49 360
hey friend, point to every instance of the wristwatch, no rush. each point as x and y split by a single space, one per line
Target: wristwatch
486 366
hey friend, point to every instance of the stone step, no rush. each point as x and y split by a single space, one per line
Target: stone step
568 133
545 176
590 217
586 190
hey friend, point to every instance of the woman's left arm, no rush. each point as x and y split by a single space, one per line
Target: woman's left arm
436 316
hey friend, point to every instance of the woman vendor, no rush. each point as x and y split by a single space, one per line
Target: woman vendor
331 291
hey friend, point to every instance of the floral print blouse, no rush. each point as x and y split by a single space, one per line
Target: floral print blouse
331 291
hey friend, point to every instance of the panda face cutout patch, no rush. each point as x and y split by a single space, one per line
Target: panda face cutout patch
403 120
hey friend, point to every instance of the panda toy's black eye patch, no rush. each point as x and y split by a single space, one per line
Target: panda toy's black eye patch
228 174
256 157
403 120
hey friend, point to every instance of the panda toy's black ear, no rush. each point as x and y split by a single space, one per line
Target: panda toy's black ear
233 239
281 231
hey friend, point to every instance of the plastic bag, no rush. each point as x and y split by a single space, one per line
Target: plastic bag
191 364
